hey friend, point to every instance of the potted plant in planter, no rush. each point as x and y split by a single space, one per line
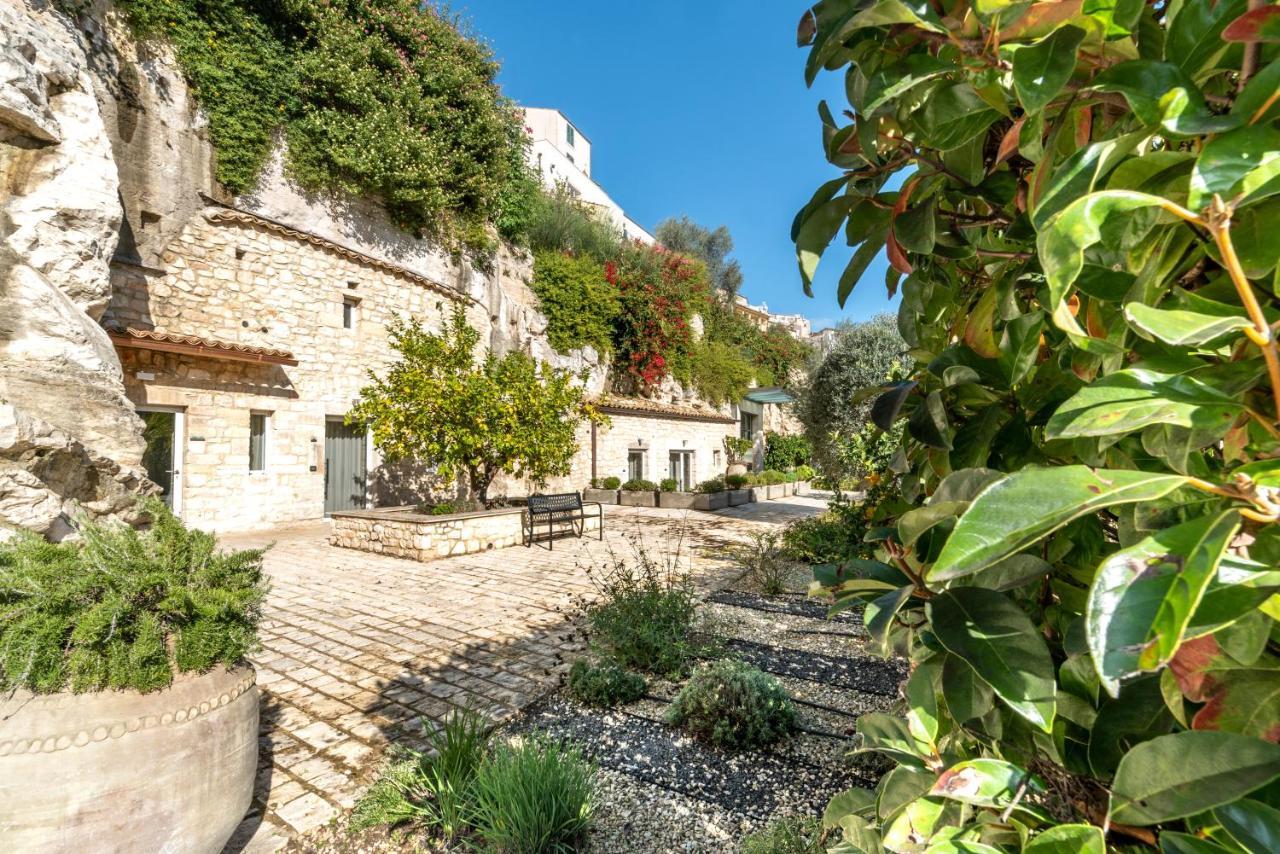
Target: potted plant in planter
738 486
672 498
124 690
738 451
603 490
789 483
711 495
639 493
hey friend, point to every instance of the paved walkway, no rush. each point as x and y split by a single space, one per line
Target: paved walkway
360 650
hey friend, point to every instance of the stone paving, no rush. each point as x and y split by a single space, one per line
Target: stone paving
360 651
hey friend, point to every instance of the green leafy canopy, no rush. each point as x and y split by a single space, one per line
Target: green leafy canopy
1078 203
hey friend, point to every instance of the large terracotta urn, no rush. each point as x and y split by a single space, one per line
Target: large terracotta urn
117 771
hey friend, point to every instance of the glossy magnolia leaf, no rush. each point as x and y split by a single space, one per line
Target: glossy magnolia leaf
1126 401
857 836
894 80
889 735
967 697
1139 714
1172 842
1018 510
953 115
1263 472
1041 70
1080 173
998 640
858 264
815 233
985 783
915 823
1255 102
885 409
964 485
928 423
855 801
914 523
922 707
1161 93
1068 839
1020 346
1244 701
1010 573
1242 164
979 329
878 615
1255 25
1194 38
1143 597
1184 773
1179 327
1254 826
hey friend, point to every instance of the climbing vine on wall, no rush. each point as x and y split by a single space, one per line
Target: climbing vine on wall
384 98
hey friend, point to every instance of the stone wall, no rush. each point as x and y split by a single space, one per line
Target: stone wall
656 437
401 532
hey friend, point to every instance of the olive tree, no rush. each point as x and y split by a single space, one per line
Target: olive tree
475 417
1080 561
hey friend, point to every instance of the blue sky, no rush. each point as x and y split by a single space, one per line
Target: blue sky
695 108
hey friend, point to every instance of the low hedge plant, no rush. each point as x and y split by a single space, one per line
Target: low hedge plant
123 608
639 485
668 484
729 703
604 684
712 486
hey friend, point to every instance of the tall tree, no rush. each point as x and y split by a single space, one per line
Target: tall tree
863 356
439 405
712 247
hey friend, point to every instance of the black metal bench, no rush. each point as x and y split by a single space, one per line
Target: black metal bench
556 510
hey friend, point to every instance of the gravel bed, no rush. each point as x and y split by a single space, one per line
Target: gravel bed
800 633
640 818
753 784
792 604
865 674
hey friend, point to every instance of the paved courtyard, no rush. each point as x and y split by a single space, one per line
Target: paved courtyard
360 651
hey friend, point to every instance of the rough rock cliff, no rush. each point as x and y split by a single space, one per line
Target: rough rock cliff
69 439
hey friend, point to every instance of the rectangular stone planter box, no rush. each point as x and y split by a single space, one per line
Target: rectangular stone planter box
637 499
775 490
676 500
404 532
711 501
604 496
739 496
788 489
802 487
758 493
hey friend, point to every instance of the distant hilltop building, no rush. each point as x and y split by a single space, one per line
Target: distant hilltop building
824 340
797 325
562 156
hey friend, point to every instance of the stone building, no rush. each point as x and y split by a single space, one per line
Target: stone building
154 325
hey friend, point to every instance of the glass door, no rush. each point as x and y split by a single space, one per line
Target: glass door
681 470
162 431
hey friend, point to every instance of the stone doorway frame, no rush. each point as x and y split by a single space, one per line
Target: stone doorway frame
179 450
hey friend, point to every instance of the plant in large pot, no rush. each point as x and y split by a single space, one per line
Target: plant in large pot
128 716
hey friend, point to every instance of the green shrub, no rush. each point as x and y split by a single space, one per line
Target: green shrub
805 473
751 479
790 835
579 303
712 485
639 485
766 560
534 797
387 100
432 790
668 484
123 608
612 482
738 447
444 508
563 224
785 452
645 616
732 704
604 684
771 477
720 372
735 481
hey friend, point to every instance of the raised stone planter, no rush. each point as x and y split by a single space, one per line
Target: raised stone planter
676 500
774 490
404 532
739 496
646 498
802 487
120 771
758 493
604 496
711 501
788 489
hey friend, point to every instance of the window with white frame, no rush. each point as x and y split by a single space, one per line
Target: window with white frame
635 465
680 469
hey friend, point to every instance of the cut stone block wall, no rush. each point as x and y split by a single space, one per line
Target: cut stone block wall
401 532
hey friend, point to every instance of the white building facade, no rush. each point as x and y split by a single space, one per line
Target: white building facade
562 155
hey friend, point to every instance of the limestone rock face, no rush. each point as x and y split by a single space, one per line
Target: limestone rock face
68 435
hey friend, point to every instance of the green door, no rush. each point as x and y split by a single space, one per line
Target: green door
345 473
160 457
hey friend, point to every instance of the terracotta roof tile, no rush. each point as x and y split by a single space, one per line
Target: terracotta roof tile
194 345
643 406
